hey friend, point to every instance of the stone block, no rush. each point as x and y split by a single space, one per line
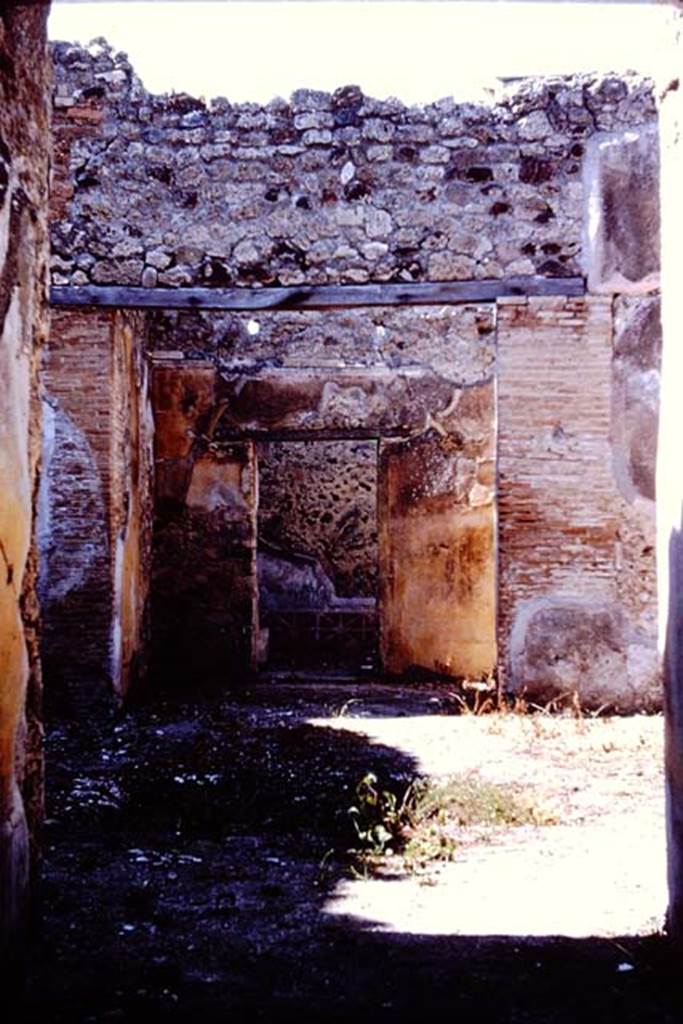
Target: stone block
635 394
559 646
621 211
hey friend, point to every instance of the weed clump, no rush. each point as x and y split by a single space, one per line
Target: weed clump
423 825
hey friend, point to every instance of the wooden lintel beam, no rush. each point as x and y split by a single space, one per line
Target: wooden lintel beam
428 293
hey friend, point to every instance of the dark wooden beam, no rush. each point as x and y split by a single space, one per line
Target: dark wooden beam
324 296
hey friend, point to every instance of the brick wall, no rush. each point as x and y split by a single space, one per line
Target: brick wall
563 621
76 592
95 485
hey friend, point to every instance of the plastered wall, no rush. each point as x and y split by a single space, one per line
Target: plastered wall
204 587
24 118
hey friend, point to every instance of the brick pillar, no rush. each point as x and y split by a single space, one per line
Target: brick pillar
567 614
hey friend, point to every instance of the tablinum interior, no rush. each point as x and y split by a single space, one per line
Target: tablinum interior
317 555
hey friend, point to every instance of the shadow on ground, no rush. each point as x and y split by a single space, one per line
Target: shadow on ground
190 853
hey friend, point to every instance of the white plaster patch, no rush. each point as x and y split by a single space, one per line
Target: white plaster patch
347 173
116 663
45 496
67 557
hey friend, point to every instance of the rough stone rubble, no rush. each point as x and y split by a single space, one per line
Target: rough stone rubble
170 191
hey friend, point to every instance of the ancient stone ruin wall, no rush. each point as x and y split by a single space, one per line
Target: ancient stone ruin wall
556 178
94 510
167 191
392 381
24 120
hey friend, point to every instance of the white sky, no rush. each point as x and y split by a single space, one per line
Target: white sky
419 50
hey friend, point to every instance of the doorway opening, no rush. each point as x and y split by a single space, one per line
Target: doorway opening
317 557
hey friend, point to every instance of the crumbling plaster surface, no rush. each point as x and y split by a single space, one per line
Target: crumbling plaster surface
24 85
165 191
437 543
204 587
364 372
635 395
131 504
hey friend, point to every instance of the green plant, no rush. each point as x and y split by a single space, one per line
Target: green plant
423 825
377 816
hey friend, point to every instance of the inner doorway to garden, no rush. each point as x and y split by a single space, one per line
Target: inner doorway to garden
317 558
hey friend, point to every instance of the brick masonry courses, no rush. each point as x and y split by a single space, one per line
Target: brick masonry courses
95 506
577 608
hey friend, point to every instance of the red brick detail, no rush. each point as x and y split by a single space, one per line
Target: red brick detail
558 502
67 127
98 476
87 115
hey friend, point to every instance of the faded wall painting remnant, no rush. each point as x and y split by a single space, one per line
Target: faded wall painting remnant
204 603
317 554
437 543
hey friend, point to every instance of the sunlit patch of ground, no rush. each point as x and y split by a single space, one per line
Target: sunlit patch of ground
596 869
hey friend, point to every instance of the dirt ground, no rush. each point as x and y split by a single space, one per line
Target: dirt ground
195 867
